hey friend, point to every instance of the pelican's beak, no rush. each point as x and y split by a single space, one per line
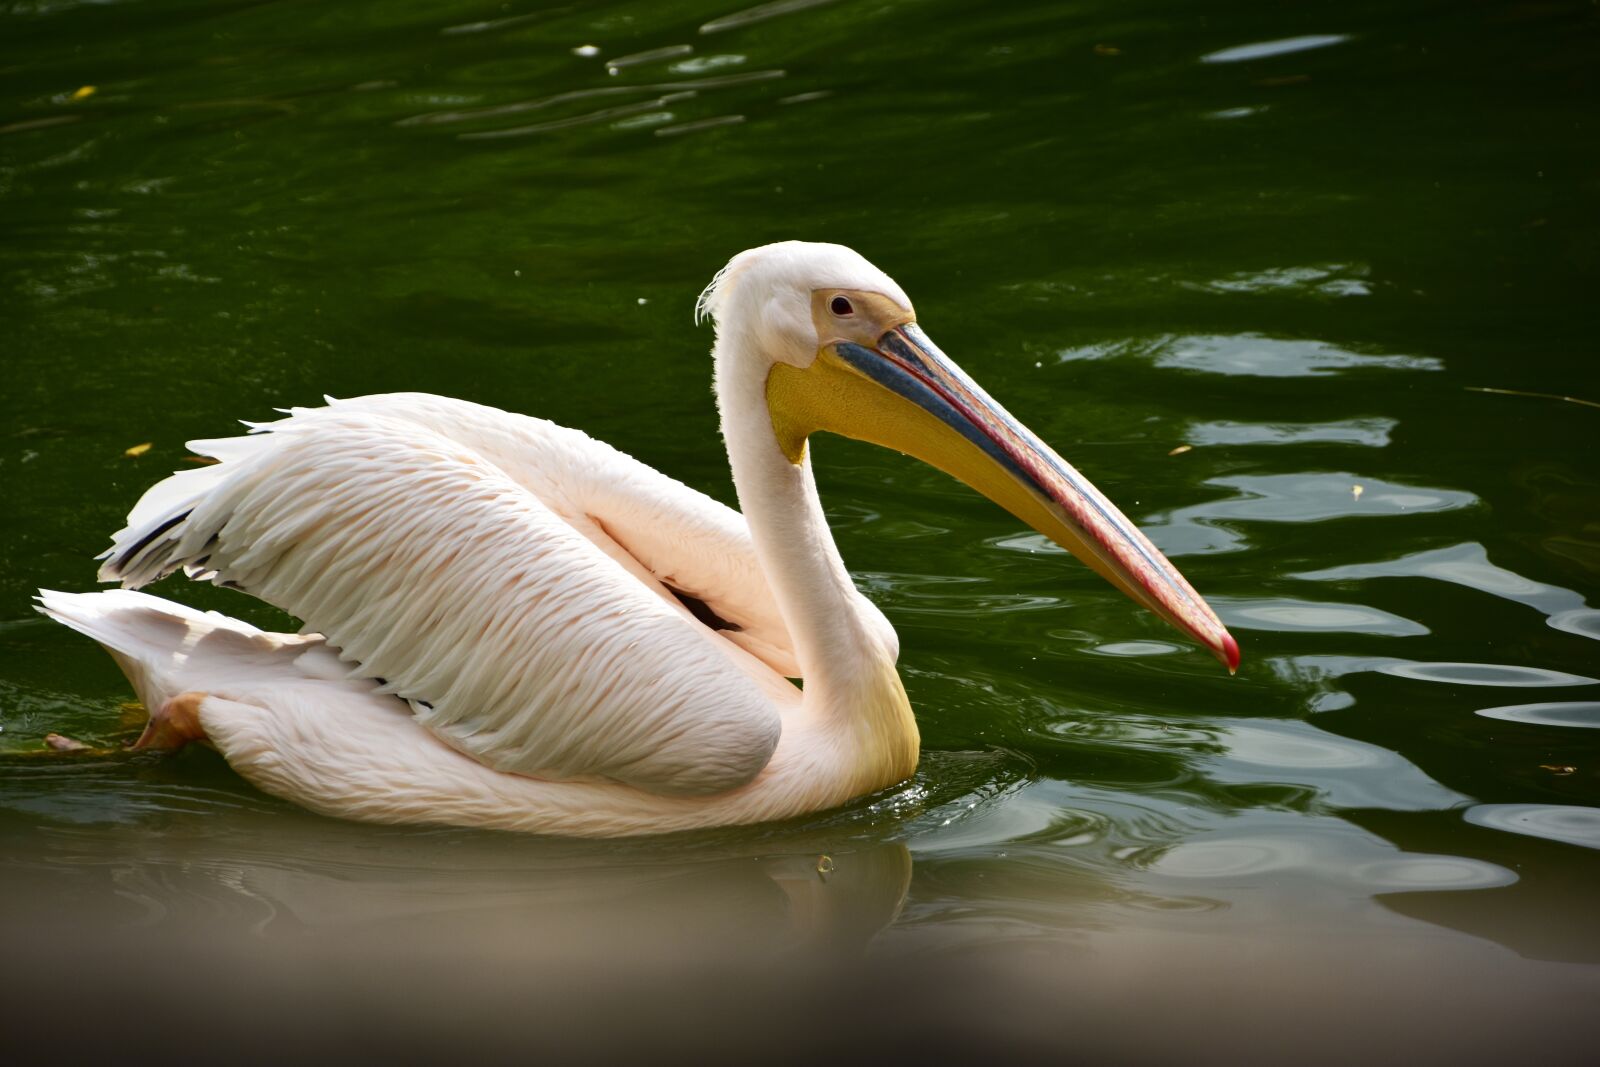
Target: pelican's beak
882 380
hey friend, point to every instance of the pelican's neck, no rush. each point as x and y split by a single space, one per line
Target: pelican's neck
846 648
841 641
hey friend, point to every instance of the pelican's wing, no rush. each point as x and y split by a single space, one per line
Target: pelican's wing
653 525
518 639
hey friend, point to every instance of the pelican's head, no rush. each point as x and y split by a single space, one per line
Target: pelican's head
840 350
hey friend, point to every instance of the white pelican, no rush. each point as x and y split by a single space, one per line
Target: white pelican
509 624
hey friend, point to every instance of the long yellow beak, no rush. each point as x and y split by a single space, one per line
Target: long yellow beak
901 392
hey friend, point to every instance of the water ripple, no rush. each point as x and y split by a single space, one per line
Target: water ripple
1584 622
576 95
654 55
1283 46
1223 857
1284 614
585 119
1577 713
935 594
1247 354
1570 824
1483 674
1318 676
760 13
699 124
1133 649
1420 872
1468 565
1300 852
1311 497
1270 357
1373 433
1324 279
491 25
1345 773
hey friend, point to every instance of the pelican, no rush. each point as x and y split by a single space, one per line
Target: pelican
509 624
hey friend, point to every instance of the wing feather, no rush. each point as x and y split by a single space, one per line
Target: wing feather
517 639
681 537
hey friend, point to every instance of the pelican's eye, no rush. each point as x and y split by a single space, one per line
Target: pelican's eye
840 306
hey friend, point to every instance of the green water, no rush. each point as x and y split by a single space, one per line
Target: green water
1304 260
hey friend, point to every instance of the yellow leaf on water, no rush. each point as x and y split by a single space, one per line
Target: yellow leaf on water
131 715
138 450
83 92
1180 450
1357 490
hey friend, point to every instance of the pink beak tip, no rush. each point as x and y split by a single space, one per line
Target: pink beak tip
1229 652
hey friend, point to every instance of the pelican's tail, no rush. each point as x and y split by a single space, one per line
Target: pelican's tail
151 639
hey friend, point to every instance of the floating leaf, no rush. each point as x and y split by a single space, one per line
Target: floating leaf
137 450
131 715
62 743
83 92
1180 450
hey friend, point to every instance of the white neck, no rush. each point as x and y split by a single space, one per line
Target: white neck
835 631
846 648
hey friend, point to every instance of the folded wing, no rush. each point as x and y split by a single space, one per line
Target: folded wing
455 552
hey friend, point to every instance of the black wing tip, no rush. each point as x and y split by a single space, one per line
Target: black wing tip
119 566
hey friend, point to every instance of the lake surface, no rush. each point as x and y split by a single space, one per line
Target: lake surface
1302 287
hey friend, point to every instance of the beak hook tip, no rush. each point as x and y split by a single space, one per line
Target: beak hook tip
1230 653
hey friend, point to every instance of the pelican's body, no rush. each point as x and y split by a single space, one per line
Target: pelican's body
537 632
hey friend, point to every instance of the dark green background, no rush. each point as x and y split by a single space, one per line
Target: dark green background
1302 263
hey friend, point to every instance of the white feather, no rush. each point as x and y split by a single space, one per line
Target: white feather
426 564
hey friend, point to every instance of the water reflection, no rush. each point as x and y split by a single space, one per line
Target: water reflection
1249 354
1468 565
1373 433
1343 773
1326 855
1547 914
1296 498
760 13
1196 530
1583 714
1322 279
1282 47
1270 357
945 594
1554 822
1136 649
1481 674
1316 675
656 93
653 55
271 876
1288 615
